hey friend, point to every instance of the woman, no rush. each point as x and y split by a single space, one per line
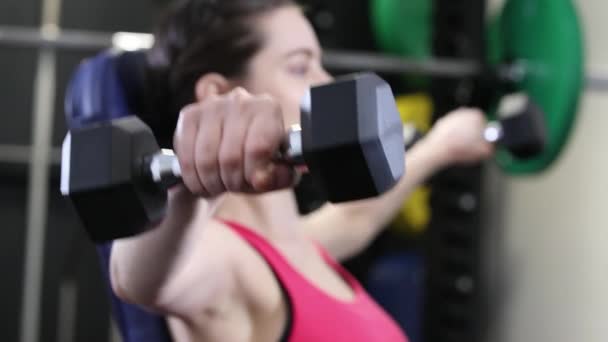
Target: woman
233 260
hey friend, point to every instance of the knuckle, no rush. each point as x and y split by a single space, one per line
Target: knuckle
234 183
206 166
207 107
194 186
261 148
213 105
240 92
216 190
206 147
272 104
190 111
230 160
187 166
188 116
266 97
270 121
212 181
199 192
237 98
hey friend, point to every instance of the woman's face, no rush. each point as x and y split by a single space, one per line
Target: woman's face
289 62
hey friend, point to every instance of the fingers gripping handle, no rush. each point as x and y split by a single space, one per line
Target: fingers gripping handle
84 167
163 167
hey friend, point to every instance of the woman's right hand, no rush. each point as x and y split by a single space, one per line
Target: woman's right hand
227 143
457 138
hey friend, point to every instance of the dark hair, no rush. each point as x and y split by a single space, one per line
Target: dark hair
196 37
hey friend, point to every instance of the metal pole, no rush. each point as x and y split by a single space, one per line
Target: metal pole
17 154
334 59
384 63
114 335
73 39
597 79
54 38
67 311
37 196
37 205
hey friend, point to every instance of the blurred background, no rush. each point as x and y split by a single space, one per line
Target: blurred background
527 261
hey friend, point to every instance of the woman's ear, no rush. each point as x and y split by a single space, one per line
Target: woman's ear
209 85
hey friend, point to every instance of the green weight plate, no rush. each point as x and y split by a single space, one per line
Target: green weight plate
545 37
404 28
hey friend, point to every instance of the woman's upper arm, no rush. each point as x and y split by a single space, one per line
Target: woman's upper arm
197 278
341 232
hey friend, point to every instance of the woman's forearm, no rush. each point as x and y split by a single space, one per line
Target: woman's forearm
346 229
422 161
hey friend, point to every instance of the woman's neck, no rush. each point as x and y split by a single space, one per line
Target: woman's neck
273 215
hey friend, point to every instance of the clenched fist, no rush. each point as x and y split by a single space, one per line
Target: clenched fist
228 142
459 135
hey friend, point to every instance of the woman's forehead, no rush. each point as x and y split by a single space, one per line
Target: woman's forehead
287 30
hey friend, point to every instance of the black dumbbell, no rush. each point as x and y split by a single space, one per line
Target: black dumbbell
350 140
520 128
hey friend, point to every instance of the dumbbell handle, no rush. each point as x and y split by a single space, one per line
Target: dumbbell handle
163 167
494 132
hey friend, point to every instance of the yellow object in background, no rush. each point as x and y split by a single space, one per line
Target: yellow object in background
414 216
416 109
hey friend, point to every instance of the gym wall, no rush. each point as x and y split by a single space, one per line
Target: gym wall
547 259
73 304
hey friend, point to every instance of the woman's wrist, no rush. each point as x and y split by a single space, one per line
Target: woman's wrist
432 154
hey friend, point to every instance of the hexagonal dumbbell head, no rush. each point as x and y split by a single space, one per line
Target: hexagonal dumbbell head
352 137
524 131
102 175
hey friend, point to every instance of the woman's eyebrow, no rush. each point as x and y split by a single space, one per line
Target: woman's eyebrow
300 51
